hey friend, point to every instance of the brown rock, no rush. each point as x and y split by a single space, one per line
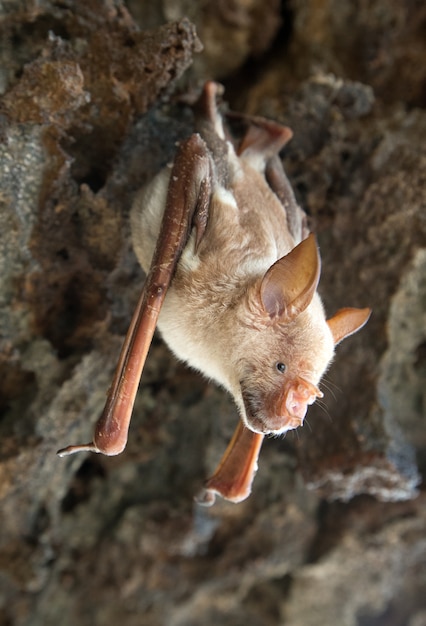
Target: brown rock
88 116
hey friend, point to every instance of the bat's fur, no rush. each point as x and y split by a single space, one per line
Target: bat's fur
217 315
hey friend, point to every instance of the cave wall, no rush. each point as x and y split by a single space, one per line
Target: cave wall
93 101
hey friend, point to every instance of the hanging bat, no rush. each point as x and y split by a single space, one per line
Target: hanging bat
232 282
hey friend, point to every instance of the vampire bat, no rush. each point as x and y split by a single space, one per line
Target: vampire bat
232 276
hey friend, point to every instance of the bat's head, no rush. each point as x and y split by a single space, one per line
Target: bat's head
290 343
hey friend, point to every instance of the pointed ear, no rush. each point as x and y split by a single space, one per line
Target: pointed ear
289 285
346 322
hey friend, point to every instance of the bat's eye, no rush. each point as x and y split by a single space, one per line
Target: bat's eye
281 367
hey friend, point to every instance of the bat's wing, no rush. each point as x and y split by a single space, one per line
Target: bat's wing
234 475
187 204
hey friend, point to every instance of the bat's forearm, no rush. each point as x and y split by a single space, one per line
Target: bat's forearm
188 198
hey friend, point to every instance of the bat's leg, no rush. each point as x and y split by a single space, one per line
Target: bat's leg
209 124
234 475
261 143
188 197
297 220
261 136
206 108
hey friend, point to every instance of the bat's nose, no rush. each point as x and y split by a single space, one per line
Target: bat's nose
279 414
295 406
298 397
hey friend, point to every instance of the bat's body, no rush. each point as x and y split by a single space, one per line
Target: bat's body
242 306
213 316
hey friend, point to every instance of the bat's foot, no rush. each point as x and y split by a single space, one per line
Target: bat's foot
87 447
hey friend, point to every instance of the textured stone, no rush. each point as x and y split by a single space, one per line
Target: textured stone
333 532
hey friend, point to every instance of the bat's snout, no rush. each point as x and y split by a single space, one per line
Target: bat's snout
285 413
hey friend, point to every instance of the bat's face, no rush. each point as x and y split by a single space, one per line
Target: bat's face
279 379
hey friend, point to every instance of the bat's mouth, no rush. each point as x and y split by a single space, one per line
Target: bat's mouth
285 413
278 426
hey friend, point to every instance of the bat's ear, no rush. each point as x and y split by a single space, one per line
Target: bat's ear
346 322
289 285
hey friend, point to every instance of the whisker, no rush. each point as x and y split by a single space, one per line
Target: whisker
322 405
328 385
308 425
330 382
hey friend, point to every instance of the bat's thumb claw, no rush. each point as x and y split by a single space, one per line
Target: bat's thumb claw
88 447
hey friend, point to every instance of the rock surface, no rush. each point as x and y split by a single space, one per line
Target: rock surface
92 106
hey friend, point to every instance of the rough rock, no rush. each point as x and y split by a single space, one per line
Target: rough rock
93 104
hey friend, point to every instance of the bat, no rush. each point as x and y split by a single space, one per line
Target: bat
232 277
